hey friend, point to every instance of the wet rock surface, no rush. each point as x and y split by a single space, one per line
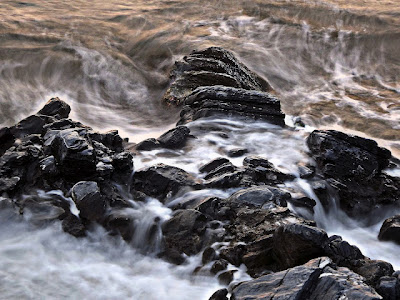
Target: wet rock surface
352 167
390 230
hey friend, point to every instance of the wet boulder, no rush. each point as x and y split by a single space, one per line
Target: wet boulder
261 196
373 270
352 167
390 230
185 232
74 226
214 164
389 288
219 295
340 155
148 145
74 154
295 244
175 138
161 180
56 108
208 67
30 125
89 200
6 139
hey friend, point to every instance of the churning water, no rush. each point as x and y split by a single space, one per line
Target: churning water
335 63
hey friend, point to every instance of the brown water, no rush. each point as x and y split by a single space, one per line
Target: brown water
335 63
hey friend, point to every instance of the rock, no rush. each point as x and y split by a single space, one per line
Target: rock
389 288
161 180
219 295
186 232
262 171
226 277
293 283
6 139
317 279
261 196
73 225
74 155
373 270
219 266
206 101
339 155
257 161
174 138
342 252
110 139
214 164
209 255
304 202
341 284
57 108
89 201
390 230
306 172
226 168
295 244
48 166
148 145
211 66
30 125
237 152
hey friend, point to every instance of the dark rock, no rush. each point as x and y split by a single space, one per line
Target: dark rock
39 210
74 155
226 168
306 172
6 139
389 288
317 279
226 277
172 256
186 232
48 166
237 152
305 202
209 254
293 283
261 196
30 125
89 201
342 252
219 266
340 155
212 165
57 108
219 295
175 138
122 223
341 284
148 145
207 101
373 270
110 139
295 244
257 161
73 225
390 230
161 180
212 66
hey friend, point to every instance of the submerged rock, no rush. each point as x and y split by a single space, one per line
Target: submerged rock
89 201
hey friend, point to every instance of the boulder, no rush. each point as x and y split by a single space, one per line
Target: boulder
295 244
148 145
389 288
219 295
174 138
73 225
161 180
89 201
211 66
340 155
390 230
212 165
56 108
261 196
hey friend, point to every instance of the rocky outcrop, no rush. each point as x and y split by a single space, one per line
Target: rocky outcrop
49 152
352 167
212 82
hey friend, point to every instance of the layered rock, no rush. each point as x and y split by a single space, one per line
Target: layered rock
212 82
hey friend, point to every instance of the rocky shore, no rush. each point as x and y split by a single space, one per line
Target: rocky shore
286 254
